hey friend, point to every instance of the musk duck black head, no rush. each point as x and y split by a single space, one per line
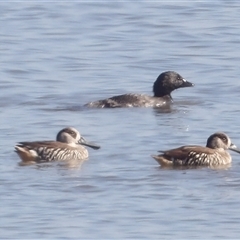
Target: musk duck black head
168 82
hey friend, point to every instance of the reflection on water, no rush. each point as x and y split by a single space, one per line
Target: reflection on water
75 164
221 167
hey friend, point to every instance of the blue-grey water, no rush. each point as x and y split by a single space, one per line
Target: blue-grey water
57 56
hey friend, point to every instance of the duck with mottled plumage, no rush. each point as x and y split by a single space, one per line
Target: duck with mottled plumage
214 154
69 145
162 88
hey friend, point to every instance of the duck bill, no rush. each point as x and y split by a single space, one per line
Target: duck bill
234 148
82 141
186 84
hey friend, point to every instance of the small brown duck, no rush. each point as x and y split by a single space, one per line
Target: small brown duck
162 88
214 154
69 145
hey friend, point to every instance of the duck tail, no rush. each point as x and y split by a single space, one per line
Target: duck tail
162 161
26 155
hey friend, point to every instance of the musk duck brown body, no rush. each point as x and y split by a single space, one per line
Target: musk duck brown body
162 88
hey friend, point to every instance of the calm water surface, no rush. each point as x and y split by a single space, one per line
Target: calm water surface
57 56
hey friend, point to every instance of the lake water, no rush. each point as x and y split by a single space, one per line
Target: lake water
55 57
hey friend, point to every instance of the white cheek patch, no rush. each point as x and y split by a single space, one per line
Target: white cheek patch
72 144
78 137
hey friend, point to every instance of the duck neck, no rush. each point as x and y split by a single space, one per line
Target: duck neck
165 96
